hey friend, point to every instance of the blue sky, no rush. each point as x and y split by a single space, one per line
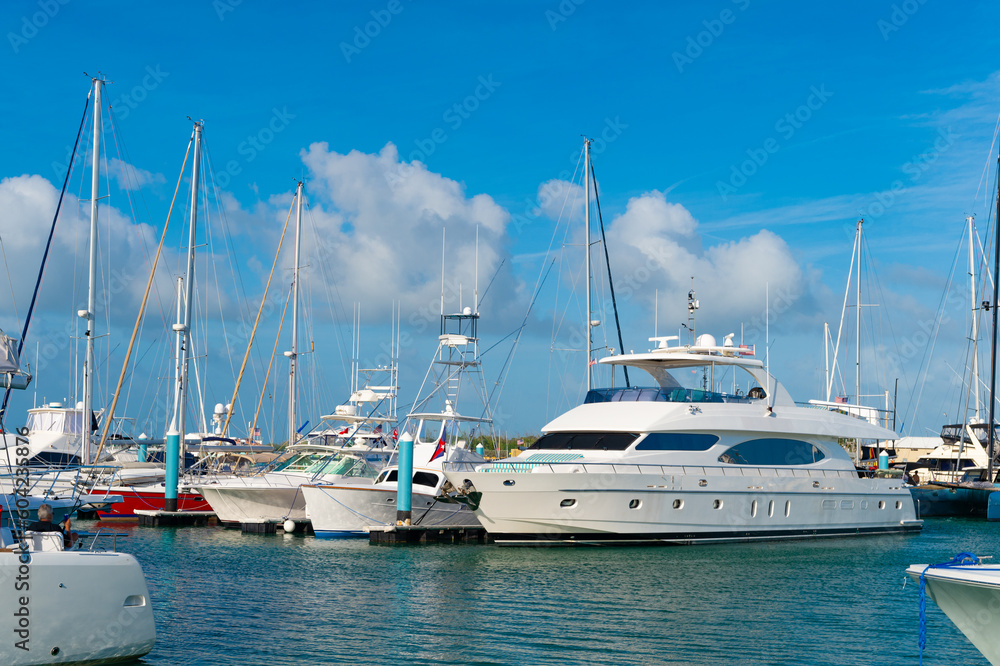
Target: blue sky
736 141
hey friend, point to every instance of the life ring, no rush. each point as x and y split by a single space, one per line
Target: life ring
23 431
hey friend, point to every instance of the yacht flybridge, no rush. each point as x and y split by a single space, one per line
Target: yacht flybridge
717 451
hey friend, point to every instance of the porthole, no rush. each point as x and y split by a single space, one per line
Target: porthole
788 507
829 504
508 482
753 509
566 503
770 508
634 504
702 483
815 484
899 505
390 500
678 504
881 504
717 504
846 504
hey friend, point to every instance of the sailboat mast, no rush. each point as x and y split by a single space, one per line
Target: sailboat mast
184 334
975 317
857 332
292 384
586 208
88 363
993 355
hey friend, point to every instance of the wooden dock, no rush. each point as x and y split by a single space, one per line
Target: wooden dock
160 518
402 535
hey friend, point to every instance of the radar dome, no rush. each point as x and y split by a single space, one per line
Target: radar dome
705 340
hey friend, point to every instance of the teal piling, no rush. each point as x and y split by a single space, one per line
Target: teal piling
404 483
172 457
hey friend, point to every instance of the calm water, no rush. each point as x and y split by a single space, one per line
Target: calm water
221 597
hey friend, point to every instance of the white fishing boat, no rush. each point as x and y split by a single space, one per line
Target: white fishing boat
968 591
350 509
440 437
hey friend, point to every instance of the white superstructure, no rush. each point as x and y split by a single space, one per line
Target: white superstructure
684 464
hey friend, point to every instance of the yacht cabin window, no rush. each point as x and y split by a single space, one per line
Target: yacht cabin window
425 479
600 441
676 441
772 451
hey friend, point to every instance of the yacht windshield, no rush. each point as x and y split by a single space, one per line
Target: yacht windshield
606 441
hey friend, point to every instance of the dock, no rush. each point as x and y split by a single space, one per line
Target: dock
274 527
160 518
401 535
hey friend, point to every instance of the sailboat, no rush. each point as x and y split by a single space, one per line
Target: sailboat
881 416
353 453
952 480
42 620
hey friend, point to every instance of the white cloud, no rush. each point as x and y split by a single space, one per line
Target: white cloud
379 222
656 245
131 177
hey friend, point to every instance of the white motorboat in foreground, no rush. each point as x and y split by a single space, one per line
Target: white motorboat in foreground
968 592
51 590
681 465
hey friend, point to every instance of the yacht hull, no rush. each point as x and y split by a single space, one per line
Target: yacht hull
970 597
345 511
621 508
256 504
108 589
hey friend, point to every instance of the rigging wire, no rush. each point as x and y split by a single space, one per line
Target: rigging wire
45 256
607 260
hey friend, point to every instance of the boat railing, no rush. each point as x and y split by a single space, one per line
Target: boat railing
657 394
102 533
513 466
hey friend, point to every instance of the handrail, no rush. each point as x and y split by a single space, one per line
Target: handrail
619 467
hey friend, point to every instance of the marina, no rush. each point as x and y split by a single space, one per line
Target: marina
657 426
261 599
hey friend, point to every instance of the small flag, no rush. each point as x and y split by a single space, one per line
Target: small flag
344 431
593 361
377 430
395 434
439 451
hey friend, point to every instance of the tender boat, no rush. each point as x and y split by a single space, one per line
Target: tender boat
968 591
677 464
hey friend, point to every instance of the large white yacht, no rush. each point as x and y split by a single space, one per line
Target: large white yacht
680 465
